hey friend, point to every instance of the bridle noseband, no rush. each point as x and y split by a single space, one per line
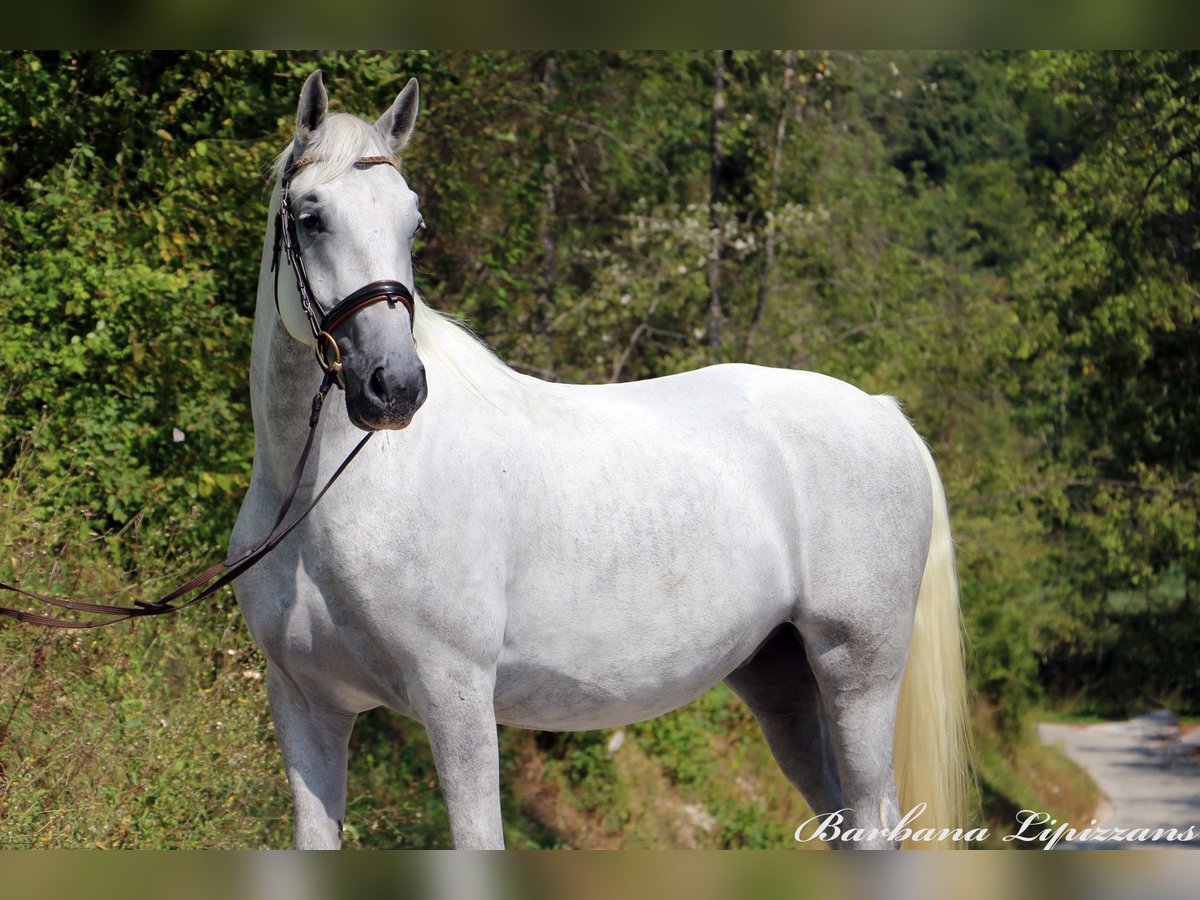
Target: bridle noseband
322 323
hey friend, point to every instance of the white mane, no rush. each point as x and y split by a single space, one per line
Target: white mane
443 339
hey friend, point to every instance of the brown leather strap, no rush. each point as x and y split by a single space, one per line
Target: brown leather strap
228 570
303 161
367 295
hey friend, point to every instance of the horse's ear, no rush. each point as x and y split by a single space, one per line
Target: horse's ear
397 123
314 104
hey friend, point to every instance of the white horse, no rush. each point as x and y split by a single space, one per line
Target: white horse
567 557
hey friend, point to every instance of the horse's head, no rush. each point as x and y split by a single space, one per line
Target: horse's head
346 226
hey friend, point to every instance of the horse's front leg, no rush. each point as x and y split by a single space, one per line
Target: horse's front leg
314 738
455 700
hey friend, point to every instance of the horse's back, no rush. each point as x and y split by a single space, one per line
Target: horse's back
828 438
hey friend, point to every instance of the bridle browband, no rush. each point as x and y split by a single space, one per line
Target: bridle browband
323 324
287 244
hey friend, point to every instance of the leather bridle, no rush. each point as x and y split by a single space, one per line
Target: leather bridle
323 325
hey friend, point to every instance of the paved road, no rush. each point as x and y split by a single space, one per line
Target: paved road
1150 777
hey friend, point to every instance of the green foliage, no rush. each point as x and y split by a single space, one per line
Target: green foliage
959 114
582 760
684 743
750 828
679 744
1114 383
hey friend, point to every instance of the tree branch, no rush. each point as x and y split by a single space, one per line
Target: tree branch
764 281
715 315
643 327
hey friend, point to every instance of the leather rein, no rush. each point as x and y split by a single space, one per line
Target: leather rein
322 323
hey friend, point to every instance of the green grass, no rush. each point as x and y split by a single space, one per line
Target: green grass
1067 715
1078 711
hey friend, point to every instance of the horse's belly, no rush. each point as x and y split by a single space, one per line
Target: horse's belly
604 674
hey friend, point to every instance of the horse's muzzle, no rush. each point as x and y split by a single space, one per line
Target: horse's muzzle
385 393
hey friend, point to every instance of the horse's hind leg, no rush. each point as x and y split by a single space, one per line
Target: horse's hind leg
858 668
314 738
779 687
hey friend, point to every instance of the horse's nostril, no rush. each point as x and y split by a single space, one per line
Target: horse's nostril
393 388
378 384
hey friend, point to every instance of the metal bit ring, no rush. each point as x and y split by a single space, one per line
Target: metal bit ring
325 341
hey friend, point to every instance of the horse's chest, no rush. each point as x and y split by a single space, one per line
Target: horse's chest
323 632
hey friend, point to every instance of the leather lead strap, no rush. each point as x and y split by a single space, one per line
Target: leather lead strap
228 570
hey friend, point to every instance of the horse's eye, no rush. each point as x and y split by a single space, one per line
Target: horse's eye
310 220
420 226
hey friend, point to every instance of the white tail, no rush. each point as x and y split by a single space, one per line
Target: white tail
932 748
